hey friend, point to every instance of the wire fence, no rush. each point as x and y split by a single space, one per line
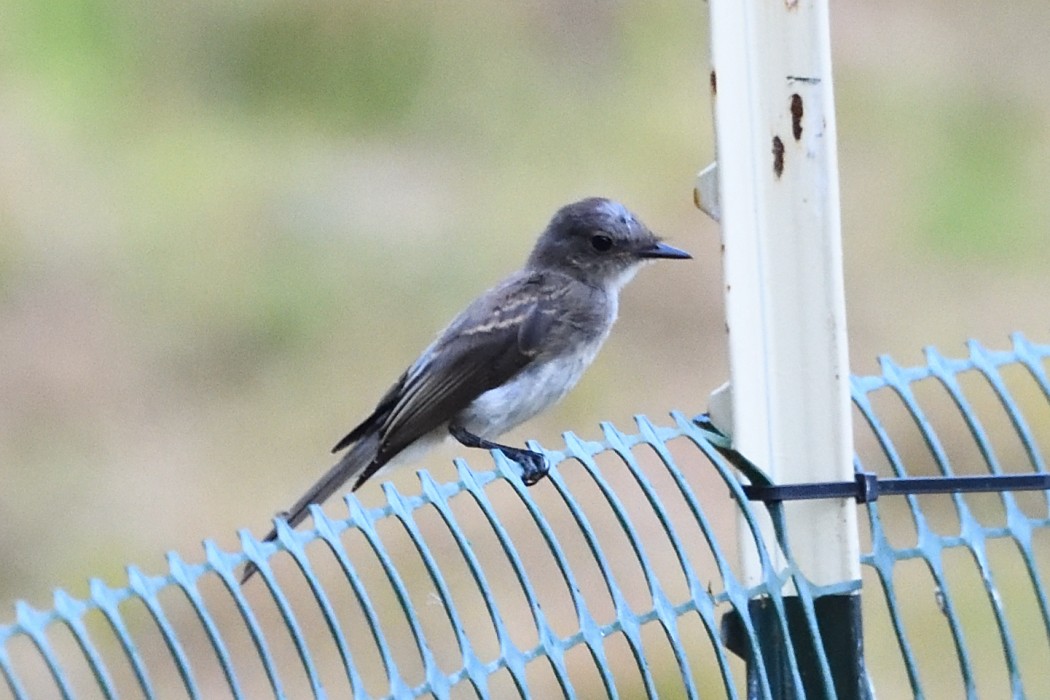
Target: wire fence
963 577
616 577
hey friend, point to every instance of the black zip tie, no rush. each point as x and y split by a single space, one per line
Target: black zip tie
866 487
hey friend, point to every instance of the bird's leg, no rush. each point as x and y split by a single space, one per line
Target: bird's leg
533 465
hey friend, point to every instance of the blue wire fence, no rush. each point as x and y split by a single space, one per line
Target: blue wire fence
612 578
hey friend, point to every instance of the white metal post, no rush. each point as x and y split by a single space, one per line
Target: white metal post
775 190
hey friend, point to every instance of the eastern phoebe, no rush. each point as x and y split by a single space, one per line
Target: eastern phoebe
510 355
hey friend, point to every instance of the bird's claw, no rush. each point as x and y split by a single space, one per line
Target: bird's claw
534 466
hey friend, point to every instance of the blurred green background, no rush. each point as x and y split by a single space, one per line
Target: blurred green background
226 226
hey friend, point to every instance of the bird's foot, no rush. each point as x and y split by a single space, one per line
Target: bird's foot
534 466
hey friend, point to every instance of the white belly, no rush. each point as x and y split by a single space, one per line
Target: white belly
533 391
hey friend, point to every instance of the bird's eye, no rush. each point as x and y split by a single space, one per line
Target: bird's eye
601 242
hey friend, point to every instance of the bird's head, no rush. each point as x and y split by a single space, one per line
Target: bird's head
599 242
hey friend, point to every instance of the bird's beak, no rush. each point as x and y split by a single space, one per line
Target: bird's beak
662 250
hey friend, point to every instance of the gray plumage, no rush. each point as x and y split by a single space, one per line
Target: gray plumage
511 354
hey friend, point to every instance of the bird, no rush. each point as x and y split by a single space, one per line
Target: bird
513 352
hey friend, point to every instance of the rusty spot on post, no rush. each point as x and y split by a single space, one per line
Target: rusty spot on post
778 157
796 116
714 83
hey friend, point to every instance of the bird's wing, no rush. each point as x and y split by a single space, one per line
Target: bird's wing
494 339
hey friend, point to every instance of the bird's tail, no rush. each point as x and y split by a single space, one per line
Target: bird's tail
353 463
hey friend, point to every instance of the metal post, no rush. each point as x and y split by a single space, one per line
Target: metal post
775 190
